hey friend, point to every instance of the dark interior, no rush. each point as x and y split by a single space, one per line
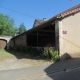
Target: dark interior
42 37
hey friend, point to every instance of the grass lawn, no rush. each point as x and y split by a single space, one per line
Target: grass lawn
4 54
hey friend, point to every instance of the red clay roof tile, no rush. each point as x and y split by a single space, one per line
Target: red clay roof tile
69 12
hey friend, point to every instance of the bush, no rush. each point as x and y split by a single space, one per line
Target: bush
26 49
34 51
46 53
54 54
16 48
51 53
19 48
11 48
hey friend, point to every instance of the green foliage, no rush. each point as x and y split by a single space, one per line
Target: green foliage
2 50
7 25
46 53
34 51
22 28
51 53
11 48
29 50
18 48
54 54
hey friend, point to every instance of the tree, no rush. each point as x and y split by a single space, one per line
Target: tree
7 25
22 28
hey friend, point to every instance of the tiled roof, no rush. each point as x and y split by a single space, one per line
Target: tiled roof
61 15
70 11
40 21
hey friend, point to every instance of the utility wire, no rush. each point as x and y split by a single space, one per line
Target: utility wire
71 3
17 12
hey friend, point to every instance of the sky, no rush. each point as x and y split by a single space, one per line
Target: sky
34 9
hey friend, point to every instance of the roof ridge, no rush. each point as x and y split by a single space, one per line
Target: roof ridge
60 14
70 11
40 19
72 8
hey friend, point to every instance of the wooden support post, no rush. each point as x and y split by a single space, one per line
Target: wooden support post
37 38
57 35
26 40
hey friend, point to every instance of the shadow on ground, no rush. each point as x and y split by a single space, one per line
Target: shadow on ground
64 70
21 55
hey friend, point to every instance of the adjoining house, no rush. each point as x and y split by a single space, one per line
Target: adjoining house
37 22
61 31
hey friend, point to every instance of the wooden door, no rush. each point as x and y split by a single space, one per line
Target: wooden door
3 44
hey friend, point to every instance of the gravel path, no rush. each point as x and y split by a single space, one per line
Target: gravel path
13 60
13 63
